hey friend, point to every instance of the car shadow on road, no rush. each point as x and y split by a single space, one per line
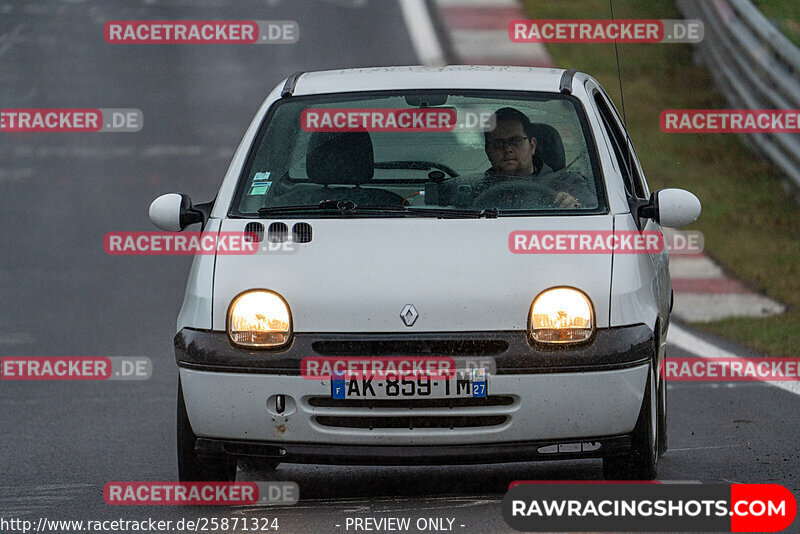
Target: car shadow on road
336 482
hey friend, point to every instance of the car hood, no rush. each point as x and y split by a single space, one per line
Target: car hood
358 274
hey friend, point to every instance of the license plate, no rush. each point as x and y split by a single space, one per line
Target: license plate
464 384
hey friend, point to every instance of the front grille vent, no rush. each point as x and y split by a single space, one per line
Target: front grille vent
254 232
278 232
301 233
411 423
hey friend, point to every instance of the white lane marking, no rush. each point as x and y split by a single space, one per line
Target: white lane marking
700 347
422 33
696 345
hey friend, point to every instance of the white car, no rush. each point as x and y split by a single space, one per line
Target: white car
382 236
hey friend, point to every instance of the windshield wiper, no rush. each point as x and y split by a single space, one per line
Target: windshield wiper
424 212
490 213
347 207
334 205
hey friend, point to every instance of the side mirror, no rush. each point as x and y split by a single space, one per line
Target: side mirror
672 208
174 212
676 208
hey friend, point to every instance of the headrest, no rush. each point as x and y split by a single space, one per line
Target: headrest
340 158
549 146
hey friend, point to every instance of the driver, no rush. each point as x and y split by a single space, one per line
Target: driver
511 149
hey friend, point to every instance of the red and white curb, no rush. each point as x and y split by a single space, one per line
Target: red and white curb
478 32
704 293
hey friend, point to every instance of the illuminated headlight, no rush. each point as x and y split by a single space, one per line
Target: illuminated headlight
561 315
259 318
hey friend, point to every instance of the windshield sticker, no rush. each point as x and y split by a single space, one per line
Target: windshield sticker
261 184
260 189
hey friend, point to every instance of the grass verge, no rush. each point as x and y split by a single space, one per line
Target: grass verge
751 227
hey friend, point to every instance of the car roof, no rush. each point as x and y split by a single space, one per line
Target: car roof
417 77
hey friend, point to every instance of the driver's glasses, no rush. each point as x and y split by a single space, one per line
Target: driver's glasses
499 143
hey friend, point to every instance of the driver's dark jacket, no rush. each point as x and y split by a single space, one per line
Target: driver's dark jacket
568 182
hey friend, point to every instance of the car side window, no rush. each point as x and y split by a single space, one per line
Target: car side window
625 161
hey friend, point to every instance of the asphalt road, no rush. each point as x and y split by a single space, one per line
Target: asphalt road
61 295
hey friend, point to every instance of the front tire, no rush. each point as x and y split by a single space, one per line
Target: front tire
662 417
641 463
192 467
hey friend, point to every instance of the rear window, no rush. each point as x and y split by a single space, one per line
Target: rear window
515 153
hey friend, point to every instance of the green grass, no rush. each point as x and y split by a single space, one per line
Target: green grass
751 227
785 14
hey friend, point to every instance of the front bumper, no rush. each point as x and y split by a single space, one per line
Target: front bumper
539 397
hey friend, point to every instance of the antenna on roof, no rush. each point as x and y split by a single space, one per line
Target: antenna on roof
622 99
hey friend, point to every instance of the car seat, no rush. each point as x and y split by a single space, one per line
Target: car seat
340 158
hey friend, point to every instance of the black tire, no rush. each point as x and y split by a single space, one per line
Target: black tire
191 467
641 463
662 417
662 396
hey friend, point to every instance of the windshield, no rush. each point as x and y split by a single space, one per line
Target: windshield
448 152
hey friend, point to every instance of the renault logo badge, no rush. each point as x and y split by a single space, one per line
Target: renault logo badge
409 315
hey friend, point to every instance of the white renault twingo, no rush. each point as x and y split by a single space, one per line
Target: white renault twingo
389 227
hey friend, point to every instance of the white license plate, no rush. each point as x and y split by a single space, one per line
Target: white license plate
464 384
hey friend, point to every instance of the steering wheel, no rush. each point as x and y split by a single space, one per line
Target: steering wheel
516 194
